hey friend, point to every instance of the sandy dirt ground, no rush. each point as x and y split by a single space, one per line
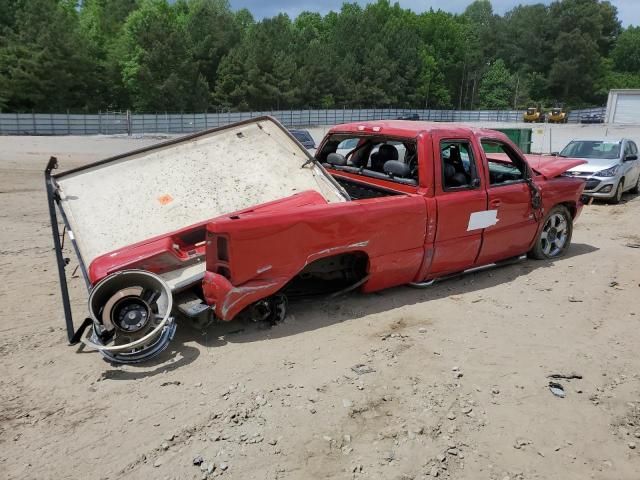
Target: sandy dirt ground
452 380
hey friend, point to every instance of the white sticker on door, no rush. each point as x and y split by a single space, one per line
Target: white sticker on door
484 219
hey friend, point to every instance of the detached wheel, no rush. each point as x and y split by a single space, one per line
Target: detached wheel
555 236
617 197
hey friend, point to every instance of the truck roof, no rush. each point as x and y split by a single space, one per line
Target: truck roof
406 128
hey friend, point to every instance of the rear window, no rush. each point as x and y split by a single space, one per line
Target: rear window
375 156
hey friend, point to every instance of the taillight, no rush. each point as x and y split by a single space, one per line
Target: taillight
223 249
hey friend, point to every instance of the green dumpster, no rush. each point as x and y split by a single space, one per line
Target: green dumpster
520 136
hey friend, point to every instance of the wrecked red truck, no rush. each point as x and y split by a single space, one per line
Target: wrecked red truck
237 220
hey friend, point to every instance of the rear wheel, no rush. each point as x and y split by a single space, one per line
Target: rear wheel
636 189
555 236
618 195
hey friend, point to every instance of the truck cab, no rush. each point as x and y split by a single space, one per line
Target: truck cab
479 190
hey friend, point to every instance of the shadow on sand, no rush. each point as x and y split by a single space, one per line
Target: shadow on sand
181 350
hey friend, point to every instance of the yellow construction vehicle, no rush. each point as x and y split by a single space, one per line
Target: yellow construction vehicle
534 115
558 115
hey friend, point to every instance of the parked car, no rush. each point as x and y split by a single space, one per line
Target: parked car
236 220
592 118
558 115
305 138
414 117
534 115
612 167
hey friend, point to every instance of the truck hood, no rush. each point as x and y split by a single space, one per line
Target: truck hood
133 197
551 166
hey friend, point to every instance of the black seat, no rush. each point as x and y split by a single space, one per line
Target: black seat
453 178
395 168
455 159
385 153
454 172
336 159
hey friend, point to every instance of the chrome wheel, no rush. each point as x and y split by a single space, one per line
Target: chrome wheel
554 234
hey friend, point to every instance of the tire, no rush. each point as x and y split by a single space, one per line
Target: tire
555 236
618 195
636 190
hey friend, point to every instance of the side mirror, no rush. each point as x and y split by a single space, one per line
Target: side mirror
630 158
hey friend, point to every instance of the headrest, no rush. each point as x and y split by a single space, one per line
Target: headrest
336 159
454 155
387 152
396 168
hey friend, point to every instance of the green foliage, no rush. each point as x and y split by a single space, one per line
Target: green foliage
192 55
626 53
156 67
211 31
44 63
577 63
497 87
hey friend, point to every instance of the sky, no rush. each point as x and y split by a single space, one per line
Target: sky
628 10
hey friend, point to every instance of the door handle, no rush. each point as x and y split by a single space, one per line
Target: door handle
494 203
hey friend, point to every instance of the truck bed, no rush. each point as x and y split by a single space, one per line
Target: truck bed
253 255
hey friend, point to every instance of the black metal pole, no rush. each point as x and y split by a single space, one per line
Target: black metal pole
66 304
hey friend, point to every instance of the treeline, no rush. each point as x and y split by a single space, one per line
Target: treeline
197 55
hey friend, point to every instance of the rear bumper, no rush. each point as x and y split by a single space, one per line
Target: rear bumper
228 300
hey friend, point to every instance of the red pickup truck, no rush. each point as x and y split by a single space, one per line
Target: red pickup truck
239 219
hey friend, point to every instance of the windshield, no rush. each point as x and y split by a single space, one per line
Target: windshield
555 111
592 149
531 111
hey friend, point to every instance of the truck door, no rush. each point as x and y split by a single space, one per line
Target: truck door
460 194
509 202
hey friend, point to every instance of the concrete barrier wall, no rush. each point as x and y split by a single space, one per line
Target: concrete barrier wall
111 123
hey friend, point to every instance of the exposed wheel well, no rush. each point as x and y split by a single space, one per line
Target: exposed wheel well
329 275
571 206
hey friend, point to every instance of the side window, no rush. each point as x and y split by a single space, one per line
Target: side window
505 165
634 148
459 169
628 149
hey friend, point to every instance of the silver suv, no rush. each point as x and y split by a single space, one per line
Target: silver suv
613 167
